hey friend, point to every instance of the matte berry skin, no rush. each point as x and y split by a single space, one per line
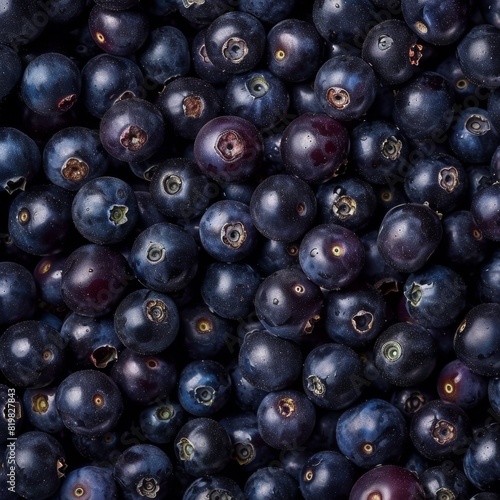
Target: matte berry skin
331 256
38 461
202 447
94 279
96 482
10 60
132 130
345 86
164 257
283 207
45 93
143 470
228 149
286 419
146 321
89 403
288 304
272 482
314 147
392 481
408 235
373 432
476 341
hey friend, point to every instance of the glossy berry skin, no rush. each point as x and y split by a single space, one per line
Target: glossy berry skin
440 180
283 207
457 384
132 130
445 479
204 334
484 209
325 473
267 13
19 298
408 235
257 96
342 21
106 79
473 137
73 156
331 256
286 419
38 462
143 470
228 149
161 421
435 296
481 460
393 481
268 362
294 49
227 232
371 433
345 86
165 55
40 409
105 210
275 255
451 70
405 354
163 257
202 14
94 279
245 395
475 53
440 429
90 481
202 447
207 486
90 342
229 289
476 341
40 220
355 315
348 201
440 24
203 388
271 482
378 151
314 147
393 51
119 33
32 354
202 64
146 321
50 84
89 403
179 189
330 376
288 304
235 42
20 159
143 378
188 103
423 107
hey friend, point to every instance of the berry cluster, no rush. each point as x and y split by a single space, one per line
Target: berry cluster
250 250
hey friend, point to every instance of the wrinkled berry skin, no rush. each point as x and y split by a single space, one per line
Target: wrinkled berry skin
31 354
314 147
331 256
143 470
476 341
288 304
408 235
39 461
371 433
89 403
